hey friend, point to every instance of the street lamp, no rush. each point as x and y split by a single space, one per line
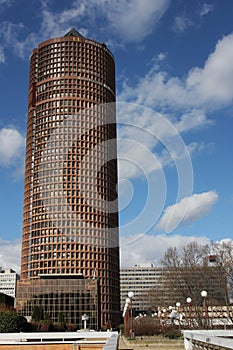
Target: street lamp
126 316
204 296
159 312
178 308
178 311
127 302
130 297
188 301
170 308
164 315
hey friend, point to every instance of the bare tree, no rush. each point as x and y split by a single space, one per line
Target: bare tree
188 272
194 254
171 258
222 259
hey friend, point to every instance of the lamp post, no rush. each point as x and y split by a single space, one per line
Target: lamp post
159 314
204 295
126 317
165 317
178 311
188 301
171 313
130 296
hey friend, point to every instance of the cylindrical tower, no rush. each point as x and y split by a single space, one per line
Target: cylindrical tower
70 219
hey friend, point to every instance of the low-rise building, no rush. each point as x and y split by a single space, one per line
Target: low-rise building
8 280
155 287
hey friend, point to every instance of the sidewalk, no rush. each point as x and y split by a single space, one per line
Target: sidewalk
122 344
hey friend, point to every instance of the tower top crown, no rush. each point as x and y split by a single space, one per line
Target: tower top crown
74 32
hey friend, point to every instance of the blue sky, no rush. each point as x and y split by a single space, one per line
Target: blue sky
174 64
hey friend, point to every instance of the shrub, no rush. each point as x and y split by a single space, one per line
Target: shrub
11 322
149 326
172 333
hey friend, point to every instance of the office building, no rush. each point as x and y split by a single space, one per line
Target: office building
8 280
66 298
70 218
141 280
160 287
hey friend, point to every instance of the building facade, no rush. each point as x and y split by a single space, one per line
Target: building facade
67 298
141 280
160 287
8 280
70 218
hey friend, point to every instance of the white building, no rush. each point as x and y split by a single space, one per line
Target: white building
8 280
140 279
151 287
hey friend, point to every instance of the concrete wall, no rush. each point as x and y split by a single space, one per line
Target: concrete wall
208 339
59 341
61 346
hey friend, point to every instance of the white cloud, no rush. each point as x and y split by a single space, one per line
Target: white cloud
135 159
10 254
126 21
181 23
12 147
2 55
185 102
204 89
195 147
133 20
188 210
162 56
213 83
52 24
5 2
206 8
56 24
191 120
138 141
9 33
150 249
171 158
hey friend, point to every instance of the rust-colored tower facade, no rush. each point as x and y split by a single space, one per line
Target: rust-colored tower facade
70 219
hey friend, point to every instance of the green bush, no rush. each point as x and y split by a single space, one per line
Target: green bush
172 333
10 322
